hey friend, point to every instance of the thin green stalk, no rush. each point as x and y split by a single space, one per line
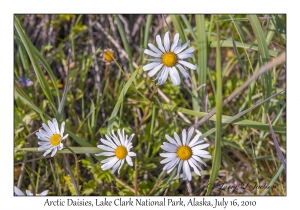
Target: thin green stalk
216 159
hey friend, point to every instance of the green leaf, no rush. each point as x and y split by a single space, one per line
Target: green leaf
39 73
239 121
120 100
228 43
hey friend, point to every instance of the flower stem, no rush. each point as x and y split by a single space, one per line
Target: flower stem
76 162
135 176
71 174
157 183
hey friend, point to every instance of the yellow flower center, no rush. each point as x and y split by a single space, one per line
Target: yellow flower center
169 59
121 152
184 152
55 139
108 55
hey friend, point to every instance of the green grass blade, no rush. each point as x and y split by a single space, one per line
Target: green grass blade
64 96
227 119
273 180
228 43
124 41
280 28
76 150
147 31
179 27
238 56
202 52
120 100
188 25
48 69
216 159
81 142
39 73
26 100
260 36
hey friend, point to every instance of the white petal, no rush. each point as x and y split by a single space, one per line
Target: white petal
28 193
179 168
184 136
190 134
183 71
199 152
180 48
47 129
167 41
168 159
130 138
169 147
17 191
151 66
109 159
198 159
129 161
63 138
199 141
159 44
155 70
116 141
51 126
55 125
106 148
124 137
121 137
152 47
43 193
131 154
60 146
196 164
185 55
108 143
43 133
109 164
187 64
43 143
174 76
160 73
195 139
43 138
194 167
164 76
171 164
177 138
54 152
204 156
168 155
47 152
115 167
45 147
171 140
202 146
175 41
122 163
148 52
188 51
153 59
62 128
105 154
187 170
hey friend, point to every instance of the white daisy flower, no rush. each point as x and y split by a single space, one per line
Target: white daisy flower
186 152
18 192
118 148
167 58
51 137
